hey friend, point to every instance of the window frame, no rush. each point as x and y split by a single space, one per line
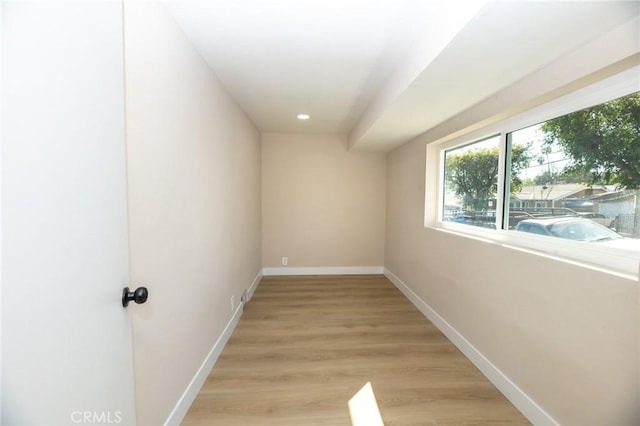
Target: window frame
613 260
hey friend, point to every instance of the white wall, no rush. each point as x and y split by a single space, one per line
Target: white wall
323 206
194 205
568 336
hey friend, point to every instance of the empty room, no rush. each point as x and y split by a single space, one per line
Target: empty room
336 212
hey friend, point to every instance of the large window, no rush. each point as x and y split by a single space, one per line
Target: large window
574 178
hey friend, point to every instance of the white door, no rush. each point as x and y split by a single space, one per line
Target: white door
66 338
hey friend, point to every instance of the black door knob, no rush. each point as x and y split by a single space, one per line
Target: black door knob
139 295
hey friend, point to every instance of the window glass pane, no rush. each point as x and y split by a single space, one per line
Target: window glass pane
577 176
470 183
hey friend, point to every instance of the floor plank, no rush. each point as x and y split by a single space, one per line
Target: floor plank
306 345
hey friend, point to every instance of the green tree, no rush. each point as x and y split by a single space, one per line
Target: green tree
546 178
565 176
603 141
473 175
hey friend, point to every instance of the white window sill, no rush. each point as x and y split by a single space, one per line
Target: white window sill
618 262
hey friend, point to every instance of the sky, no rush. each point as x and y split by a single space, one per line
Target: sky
555 161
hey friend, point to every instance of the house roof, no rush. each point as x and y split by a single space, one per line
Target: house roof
551 192
613 196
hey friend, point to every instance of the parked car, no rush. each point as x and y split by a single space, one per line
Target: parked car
578 229
463 218
482 219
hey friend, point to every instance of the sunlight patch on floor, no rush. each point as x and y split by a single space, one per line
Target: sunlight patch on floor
364 408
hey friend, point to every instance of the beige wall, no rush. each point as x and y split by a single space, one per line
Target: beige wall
194 206
322 205
566 335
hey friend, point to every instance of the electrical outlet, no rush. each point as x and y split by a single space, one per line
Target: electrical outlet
285 261
233 303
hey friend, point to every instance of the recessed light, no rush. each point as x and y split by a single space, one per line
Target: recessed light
303 116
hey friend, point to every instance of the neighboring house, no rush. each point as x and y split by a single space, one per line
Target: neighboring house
620 205
616 203
572 195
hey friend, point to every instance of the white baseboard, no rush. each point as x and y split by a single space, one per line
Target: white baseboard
190 393
518 398
254 285
331 270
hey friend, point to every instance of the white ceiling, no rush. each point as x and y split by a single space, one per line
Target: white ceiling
381 71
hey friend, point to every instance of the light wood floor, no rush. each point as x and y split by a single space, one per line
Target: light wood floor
306 345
